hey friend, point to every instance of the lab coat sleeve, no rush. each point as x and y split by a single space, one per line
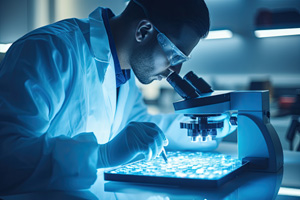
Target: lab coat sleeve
170 125
33 88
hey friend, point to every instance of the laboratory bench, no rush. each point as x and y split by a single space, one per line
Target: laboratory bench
285 184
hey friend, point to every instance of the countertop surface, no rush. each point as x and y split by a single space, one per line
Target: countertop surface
284 184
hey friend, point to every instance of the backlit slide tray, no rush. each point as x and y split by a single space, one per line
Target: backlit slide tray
197 169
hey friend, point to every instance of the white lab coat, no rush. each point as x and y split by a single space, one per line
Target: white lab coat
58 102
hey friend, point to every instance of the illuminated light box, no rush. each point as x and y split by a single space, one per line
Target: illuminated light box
195 169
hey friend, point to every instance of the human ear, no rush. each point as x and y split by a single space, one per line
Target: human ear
143 30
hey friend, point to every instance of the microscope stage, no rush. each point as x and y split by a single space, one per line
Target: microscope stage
184 168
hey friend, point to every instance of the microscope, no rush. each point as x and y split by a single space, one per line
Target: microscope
259 148
258 142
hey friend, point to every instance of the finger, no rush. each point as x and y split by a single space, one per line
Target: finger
154 149
156 130
148 154
159 142
153 145
145 143
164 139
166 142
145 135
160 148
150 138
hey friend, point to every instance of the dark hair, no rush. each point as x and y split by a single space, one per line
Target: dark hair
169 15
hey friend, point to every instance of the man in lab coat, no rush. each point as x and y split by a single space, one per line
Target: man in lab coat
68 99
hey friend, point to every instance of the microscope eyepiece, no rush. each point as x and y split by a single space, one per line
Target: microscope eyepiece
198 83
182 87
190 86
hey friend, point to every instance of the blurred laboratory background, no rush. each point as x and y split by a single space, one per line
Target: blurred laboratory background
253 44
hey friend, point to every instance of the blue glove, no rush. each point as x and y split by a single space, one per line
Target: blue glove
137 138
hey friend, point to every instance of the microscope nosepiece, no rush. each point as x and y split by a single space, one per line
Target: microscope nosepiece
201 129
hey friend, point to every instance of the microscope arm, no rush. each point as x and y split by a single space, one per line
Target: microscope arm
258 143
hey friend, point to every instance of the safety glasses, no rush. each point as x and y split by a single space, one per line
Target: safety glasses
173 54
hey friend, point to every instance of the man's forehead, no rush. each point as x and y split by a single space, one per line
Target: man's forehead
185 39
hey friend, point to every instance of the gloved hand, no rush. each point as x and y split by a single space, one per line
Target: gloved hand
136 138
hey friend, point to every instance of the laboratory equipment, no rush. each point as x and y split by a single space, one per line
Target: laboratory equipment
258 141
259 148
185 168
238 188
295 123
164 155
292 130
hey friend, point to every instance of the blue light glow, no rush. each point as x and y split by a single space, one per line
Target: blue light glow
192 165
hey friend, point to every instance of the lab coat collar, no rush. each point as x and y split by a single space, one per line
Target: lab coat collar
98 36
